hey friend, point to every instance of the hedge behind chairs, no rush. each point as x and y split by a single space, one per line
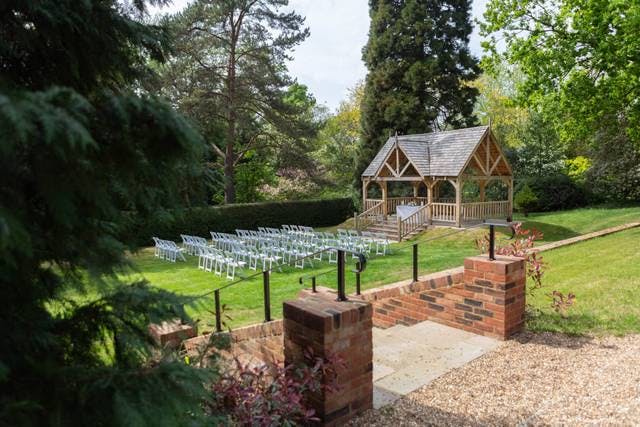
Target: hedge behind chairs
246 216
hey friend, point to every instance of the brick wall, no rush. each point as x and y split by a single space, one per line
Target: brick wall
484 297
255 344
333 328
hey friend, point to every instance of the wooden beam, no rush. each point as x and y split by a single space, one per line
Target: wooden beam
383 186
488 149
458 186
499 150
479 163
495 164
510 199
398 178
405 168
488 178
390 169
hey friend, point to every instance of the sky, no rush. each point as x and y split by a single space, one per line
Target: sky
329 62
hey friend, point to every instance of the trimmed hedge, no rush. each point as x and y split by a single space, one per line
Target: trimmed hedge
249 216
554 192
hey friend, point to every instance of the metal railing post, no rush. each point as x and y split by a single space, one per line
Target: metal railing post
341 291
415 262
267 295
358 280
492 243
218 313
313 284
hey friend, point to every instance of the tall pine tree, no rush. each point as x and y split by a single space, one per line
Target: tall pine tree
229 75
419 63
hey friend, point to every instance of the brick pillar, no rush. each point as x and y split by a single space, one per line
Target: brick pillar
332 327
496 294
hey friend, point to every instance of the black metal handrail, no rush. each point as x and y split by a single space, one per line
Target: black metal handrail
361 264
360 267
414 245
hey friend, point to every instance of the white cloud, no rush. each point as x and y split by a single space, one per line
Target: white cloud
330 60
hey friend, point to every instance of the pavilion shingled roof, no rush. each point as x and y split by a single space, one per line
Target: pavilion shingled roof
433 154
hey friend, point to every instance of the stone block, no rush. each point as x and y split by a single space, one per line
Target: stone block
171 333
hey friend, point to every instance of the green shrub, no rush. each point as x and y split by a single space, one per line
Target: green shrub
554 192
228 218
577 168
525 200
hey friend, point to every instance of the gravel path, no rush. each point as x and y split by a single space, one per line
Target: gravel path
535 379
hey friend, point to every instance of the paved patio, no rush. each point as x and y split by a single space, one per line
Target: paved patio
406 358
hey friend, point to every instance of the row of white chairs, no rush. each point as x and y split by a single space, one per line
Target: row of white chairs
192 244
365 241
169 250
219 262
268 247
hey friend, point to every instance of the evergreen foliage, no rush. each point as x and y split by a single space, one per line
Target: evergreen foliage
228 218
419 68
79 145
553 193
228 74
525 199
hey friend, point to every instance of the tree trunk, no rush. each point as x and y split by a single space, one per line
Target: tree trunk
229 183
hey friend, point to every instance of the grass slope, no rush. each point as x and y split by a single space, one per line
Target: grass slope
245 301
604 274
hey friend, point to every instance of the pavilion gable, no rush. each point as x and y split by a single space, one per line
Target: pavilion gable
397 164
434 155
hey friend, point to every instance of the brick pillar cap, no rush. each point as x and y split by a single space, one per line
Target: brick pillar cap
326 313
504 259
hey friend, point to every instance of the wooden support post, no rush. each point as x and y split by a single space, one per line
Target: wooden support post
365 185
510 208
383 186
458 186
481 187
430 187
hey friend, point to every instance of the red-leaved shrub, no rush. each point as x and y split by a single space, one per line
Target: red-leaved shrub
271 395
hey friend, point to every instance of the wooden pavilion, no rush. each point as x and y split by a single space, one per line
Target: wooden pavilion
470 160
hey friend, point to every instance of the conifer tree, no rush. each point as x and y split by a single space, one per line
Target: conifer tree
229 75
419 66
81 151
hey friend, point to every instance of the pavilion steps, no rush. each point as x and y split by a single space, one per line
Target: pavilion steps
390 228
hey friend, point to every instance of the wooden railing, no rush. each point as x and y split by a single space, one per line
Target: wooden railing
369 203
485 210
393 202
369 216
445 201
443 212
414 221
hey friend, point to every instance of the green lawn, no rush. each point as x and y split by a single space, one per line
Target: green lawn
604 274
245 302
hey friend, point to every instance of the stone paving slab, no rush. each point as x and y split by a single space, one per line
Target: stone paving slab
406 358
